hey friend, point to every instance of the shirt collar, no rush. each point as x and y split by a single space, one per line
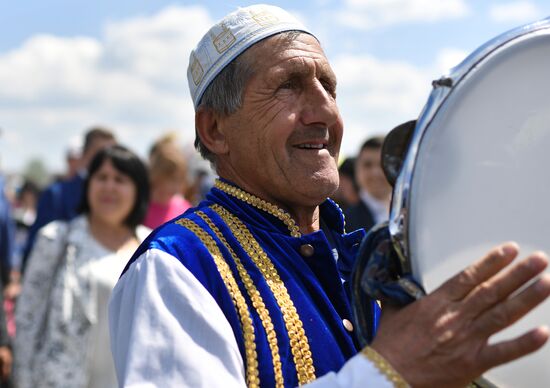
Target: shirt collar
378 208
329 211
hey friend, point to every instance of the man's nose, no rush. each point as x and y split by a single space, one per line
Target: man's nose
319 106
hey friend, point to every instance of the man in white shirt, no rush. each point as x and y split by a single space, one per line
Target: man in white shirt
243 290
374 189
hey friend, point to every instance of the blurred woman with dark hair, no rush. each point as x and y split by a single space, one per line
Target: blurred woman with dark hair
62 335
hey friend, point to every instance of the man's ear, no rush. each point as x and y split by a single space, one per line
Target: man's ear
208 130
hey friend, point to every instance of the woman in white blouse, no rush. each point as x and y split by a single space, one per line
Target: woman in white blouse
62 327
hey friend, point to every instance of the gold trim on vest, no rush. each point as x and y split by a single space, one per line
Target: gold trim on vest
252 373
257 302
299 344
260 204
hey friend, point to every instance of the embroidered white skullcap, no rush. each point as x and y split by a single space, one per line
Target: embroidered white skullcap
230 37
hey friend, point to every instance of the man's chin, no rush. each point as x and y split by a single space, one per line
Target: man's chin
320 188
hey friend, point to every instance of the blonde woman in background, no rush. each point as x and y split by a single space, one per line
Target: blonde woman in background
168 177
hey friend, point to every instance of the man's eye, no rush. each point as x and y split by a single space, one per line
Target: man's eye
289 84
329 87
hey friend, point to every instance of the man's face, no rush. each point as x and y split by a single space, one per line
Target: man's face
96 146
283 142
369 174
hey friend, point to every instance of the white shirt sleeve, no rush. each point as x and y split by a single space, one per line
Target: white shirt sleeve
168 331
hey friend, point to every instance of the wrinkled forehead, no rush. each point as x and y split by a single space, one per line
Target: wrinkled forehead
295 52
230 37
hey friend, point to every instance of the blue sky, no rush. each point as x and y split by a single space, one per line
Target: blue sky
66 65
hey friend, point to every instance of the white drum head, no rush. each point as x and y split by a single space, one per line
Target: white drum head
482 177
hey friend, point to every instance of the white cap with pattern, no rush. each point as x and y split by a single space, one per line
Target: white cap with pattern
230 37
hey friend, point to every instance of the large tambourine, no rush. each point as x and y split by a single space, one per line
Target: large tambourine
477 173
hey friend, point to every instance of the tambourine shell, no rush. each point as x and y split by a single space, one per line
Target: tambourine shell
478 174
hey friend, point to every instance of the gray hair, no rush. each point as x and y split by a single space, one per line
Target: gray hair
224 96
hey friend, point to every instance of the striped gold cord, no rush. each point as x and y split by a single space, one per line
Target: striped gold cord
257 302
252 373
299 344
260 204
385 368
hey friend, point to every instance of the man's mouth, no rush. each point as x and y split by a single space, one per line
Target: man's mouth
312 146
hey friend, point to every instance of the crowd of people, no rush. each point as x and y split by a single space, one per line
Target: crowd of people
144 273
72 240
63 248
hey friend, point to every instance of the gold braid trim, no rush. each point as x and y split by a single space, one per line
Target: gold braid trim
385 368
299 344
260 204
257 302
252 374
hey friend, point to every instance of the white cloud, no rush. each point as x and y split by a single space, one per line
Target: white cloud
157 48
375 95
514 12
366 14
132 79
47 65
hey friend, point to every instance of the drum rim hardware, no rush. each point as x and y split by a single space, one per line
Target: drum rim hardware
443 88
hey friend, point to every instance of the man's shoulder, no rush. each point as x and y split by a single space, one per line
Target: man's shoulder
71 185
185 238
52 190
173 233
57 189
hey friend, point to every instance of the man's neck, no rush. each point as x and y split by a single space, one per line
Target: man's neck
306 219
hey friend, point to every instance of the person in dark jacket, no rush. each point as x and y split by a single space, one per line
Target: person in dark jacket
7 235
374 189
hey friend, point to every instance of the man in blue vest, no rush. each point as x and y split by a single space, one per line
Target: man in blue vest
250 287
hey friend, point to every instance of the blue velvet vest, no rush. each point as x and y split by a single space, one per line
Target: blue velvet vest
284 294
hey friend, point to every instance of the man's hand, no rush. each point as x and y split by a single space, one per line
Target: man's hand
441 340
12 290
5 363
